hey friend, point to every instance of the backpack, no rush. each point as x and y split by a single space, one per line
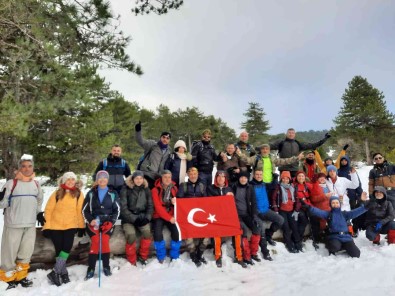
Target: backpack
144 156
15 181
105 164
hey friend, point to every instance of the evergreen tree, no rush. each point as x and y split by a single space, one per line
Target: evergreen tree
158 6
364 116
255 123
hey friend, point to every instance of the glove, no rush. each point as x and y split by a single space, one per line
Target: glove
106 226
255 223
41 219
346 146
137 127
327 136
2 193
295 215
141 222
378 227
81 232
304 204
47 233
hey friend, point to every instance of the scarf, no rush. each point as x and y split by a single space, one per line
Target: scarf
324 188
284 192
67 188
166 196
162 146
183 167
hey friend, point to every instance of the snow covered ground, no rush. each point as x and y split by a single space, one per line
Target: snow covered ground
309 273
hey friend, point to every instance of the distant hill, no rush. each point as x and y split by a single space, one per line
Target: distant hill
308 136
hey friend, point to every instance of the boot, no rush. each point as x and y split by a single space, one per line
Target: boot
315 245
130 250
160 248
144 250
89 274
107 271
199 255
241 263
391 236
54 278
267 257
376 240
25 282
195 259
291 249
65 278
12 285
299 247
175 249
254 246
245 244
218 262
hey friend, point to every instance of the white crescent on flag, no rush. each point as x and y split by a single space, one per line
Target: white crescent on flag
190 217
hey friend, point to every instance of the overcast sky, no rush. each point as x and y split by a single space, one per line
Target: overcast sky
293 57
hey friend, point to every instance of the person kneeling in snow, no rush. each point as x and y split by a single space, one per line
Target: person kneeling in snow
338 236
136 213
101 210
380 217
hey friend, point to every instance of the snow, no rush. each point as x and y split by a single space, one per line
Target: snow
309 273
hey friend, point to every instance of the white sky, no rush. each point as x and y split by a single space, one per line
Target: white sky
293 57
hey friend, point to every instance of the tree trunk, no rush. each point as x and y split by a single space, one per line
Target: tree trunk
9 156
367 151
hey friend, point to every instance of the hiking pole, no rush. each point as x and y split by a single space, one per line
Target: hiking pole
99 256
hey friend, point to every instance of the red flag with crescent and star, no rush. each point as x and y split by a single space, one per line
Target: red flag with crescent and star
214 216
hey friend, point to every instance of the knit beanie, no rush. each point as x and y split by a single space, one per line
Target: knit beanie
165 134
137 174
245 174
300 172
333 198
68 175
331 168
102 174
180 143
320 175
286 174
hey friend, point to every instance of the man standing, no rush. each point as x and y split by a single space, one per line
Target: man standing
116 167
290 147
245 148
155 155
203 157
22 202
309 166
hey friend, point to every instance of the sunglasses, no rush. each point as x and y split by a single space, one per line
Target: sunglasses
378 158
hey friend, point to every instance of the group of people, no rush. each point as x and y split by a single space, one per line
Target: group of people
308 191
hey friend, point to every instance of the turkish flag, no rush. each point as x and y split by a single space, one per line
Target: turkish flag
207 217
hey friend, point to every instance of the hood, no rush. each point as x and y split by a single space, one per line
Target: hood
348 162
333 198
129 182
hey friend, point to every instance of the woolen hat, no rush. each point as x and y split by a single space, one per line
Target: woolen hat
320 175
68 175
331 168
333 198
286 174
245 174
102 174
300 172
180 143
137 174
166 134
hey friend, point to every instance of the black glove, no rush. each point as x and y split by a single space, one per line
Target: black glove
346 146
41 219
2 193
137 127
304 204
141 222
47 233
327 136
81 232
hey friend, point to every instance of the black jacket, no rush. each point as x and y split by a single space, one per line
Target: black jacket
116 171
250 198
204 156
189 189
379 211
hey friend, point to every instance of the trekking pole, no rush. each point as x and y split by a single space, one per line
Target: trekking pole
99 256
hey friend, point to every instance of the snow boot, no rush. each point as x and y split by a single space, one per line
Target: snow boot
12 285
107 271
218 262
391 236
267 257
25 282
65 278
175 249
199 254
89 274
195 259
54 278
376 240
144 250
130 250
254 246
245 244
160 248
269 238
241 263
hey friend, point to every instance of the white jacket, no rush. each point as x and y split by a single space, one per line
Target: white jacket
340 188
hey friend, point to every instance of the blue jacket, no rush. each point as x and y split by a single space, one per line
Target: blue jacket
262 199
337 221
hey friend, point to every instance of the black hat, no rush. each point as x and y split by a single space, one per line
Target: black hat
245 174
166 134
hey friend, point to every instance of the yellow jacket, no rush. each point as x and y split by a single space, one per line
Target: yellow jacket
66 213
322 165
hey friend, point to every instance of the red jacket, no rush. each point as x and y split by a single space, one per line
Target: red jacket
318 198
276 200
302 191
161 210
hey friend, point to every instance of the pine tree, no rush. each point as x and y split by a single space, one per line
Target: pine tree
364 116
255 123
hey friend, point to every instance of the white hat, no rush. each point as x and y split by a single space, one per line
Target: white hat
180 143
68 175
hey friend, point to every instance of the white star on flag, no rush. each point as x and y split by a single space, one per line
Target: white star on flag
211 218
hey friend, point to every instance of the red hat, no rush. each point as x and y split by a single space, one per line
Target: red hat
300 172
286 174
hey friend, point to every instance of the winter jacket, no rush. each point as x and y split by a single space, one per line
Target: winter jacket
234 162
383 175
204 155
291 147
262 200
321 163
340 188
136 201
22 207
276 201
345 171
215 190
117 168
65 213
311 170
108 210
257 163
379 211
189 189
302 191
337 221
164 209
173 164
250 199
318 198
154 162
245 148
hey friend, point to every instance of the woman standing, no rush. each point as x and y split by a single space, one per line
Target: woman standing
179 162
63 215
